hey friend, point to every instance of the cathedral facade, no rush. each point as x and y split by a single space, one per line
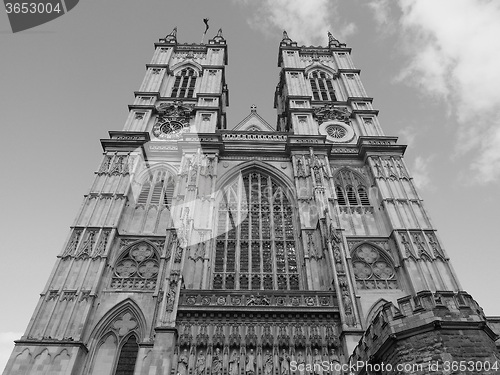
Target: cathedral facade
208 248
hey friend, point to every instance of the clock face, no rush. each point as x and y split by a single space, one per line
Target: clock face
168 129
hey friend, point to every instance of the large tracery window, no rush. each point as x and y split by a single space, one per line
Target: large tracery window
184 84
255 247
322 86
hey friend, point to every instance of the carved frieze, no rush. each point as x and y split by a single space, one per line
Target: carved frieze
330 112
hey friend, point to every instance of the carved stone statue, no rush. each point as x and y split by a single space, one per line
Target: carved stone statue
250 363
217 362
284 363
170 300
200 363
182 363
268 363
234 363
317 363
301 363
334 363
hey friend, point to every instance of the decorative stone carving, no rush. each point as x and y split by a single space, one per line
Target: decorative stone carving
331 112
120 165
202 337
87 245
251 337
186 337
257 300
299 338
431 237
73 243
419 242
219 338
283 337
105 165
234 337
103 242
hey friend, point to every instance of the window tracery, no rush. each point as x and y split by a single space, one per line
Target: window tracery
373 269
255 248
184 84
136 268
350 189
322 86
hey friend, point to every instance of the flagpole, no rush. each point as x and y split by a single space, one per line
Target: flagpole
205 21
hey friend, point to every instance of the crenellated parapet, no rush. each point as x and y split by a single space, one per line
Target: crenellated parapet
442 326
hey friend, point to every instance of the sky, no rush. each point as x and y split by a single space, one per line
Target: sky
431 66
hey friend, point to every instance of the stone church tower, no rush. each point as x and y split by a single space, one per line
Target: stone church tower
208 248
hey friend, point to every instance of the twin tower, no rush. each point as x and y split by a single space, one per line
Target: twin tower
210 248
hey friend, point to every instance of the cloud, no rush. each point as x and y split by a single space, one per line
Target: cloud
453 54
6 346
382 13
307 22
420 172
409 134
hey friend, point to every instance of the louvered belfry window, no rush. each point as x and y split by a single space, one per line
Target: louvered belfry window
184 84
158 189
322 86
255 247
350 189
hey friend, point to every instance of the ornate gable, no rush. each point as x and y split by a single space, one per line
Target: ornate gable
253 122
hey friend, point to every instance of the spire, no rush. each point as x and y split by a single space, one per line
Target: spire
334 42
286 41
218 39
172 37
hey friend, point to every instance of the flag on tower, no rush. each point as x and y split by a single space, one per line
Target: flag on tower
206 23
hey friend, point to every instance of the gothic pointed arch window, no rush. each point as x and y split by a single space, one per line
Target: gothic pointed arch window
351 189
136 268
373 269
158 189
127 356
116 346
255 246
322 86
184 84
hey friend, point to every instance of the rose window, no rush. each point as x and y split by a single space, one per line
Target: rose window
336 131
137 268
373 269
